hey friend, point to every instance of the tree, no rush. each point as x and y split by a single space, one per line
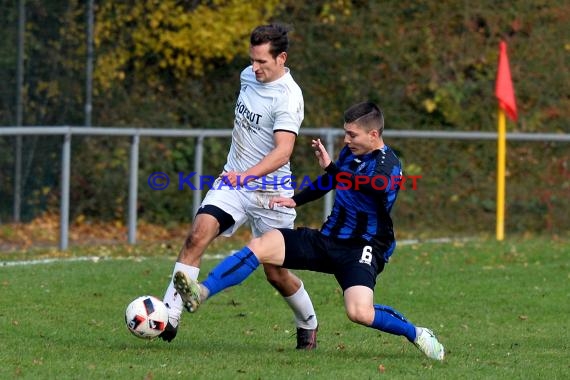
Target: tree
157 41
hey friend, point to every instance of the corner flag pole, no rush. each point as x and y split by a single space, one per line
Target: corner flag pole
505 94
501 166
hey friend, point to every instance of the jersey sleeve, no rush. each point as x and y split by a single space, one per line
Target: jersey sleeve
289 111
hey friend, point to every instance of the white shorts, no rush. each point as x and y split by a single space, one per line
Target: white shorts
251 206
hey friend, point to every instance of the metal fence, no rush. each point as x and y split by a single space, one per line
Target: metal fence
327 134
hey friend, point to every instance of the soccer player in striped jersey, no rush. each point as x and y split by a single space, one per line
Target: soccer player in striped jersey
355 242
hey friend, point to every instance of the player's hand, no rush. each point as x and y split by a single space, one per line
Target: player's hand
282 202
229 178
235 178
321 153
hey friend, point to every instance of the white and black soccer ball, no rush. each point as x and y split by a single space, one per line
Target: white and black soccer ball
146 317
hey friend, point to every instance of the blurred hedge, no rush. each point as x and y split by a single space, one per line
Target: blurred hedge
430 65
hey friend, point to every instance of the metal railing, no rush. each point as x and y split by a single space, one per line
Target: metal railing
327 134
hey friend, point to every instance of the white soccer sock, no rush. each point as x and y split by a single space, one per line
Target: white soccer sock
300 302
171 298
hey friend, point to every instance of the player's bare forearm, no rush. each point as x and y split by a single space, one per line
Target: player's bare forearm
273 161
277 157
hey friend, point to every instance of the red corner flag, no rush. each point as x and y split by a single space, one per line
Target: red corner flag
504 86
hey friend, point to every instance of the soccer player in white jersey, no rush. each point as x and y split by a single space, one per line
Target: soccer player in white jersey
268 114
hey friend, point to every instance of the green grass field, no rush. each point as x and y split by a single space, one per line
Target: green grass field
501 310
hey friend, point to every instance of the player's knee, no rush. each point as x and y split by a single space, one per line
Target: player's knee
360 314
276 276
196 239
255 245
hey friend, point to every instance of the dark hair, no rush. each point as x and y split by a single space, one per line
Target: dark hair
275 34
365 114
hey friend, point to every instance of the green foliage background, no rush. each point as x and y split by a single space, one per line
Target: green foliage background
175 64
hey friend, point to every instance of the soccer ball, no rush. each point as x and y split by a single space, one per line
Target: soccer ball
146 317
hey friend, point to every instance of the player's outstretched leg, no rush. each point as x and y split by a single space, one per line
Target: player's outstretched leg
391 321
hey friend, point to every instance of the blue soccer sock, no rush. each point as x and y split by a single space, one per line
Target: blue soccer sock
231 271
389 320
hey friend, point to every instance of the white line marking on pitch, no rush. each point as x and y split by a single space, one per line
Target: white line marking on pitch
93 259
217 256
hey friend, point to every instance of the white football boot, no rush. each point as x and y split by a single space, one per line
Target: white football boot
429 345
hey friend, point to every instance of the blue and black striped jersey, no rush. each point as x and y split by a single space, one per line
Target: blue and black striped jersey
366 189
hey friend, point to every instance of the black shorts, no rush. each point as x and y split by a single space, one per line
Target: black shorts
353 262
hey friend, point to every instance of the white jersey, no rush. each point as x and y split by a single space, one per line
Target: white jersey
261 110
